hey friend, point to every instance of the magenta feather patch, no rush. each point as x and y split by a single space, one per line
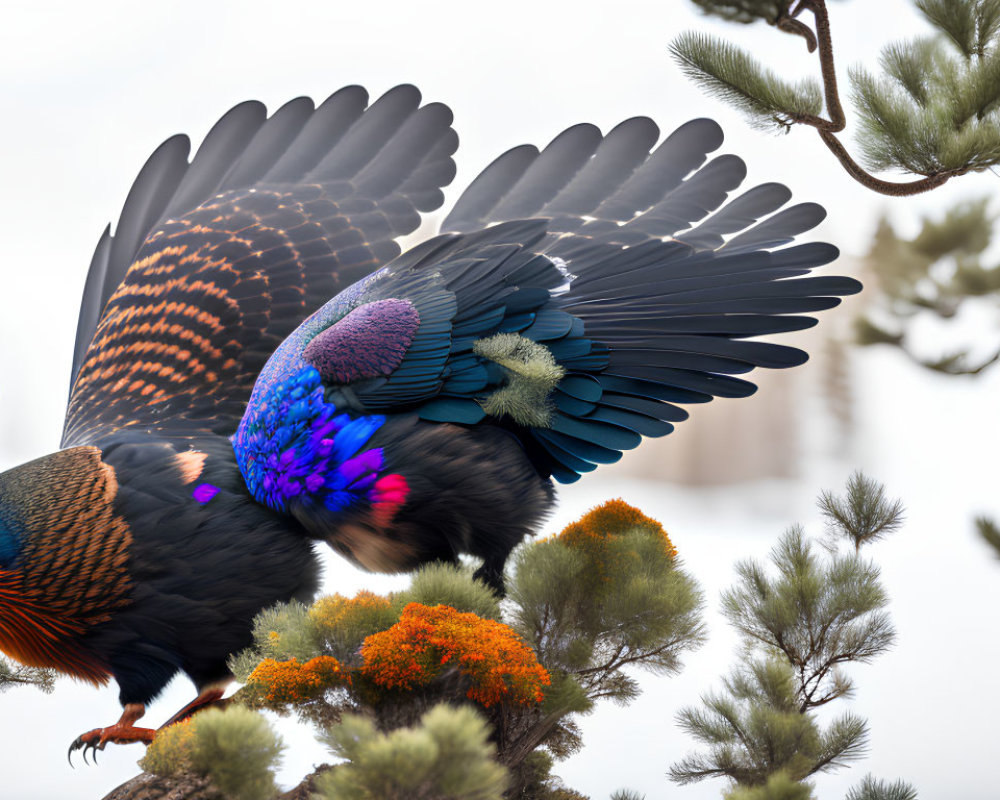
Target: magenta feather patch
387 496
369 342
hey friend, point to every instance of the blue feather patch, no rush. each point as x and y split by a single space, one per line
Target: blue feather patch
10 545
292 444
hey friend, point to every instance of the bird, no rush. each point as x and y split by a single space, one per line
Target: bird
259 367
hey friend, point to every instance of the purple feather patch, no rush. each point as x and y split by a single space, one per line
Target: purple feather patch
369 342
204 492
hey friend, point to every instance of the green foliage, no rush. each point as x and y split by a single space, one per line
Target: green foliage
450 585
627 794
932 110
863 515
933 275
281 632
871 789
535 781
990 533
820 613
745 11
756 728
169 754
779 786
12 674
733 75
446 757
800 622
971 25
342 624
235 748
531 374
603 596
589 612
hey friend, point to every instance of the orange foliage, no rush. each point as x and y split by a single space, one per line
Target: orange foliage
283 682
332 610
427 640
591 533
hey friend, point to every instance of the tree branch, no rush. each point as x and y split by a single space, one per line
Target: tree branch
891 188
826 65
821 41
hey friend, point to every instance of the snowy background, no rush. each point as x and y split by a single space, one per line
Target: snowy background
87 90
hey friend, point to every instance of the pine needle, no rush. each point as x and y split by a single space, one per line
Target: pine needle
733 75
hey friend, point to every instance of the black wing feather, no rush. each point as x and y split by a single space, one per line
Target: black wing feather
215 262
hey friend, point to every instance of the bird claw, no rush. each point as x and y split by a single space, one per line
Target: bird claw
88 743
122 732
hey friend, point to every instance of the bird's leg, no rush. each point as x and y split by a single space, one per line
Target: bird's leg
209 696
491 573
122 732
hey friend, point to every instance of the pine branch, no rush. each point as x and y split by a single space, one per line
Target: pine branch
871 789
957 19
733 75
940 132
864 514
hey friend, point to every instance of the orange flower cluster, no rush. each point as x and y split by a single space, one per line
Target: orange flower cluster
282 682
427 640
592 532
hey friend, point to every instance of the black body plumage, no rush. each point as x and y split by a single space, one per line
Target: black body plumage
200 573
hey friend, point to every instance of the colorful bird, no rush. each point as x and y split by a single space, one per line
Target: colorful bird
225 412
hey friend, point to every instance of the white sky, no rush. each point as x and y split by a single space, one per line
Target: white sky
87 90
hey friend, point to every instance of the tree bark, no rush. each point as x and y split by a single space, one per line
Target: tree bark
189 786
147 786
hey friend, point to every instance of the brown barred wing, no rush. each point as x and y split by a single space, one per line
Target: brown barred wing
238 247
71 572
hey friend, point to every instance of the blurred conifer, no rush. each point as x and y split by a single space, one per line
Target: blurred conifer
933 277
929 281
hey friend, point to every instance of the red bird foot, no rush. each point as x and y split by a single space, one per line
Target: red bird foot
122 732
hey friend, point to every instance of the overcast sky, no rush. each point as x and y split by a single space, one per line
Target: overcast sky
87 90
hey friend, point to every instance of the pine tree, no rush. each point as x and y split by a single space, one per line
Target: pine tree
933 111
871 789
584 609
219 753
447 756
802 623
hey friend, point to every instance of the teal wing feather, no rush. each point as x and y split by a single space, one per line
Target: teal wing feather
586 293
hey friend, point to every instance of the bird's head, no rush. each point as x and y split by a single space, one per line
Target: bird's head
63 558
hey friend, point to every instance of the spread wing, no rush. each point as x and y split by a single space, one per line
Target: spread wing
633 291
214 262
